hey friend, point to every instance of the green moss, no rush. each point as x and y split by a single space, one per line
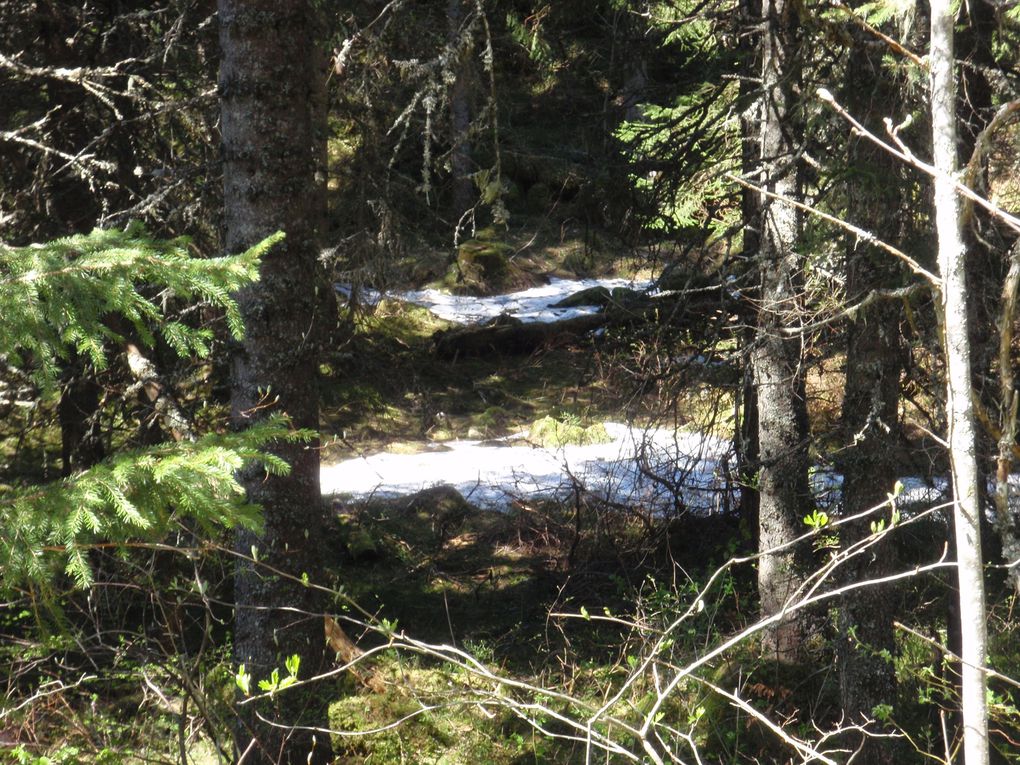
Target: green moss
358 540
446 734
552 433
592 296
402 323
482 265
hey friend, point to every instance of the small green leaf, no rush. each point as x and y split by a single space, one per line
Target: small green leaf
243 680
584 614
817 519
272 684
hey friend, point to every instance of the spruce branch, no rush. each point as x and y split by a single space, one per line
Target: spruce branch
136 494
56 297
72 296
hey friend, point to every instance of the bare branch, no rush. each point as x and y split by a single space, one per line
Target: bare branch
861 233
902 152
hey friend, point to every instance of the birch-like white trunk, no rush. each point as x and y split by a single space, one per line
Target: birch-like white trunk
962 436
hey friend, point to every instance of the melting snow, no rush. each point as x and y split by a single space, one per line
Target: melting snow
653 469
492 474
531 305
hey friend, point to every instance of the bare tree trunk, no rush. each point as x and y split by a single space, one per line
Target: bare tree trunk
1009 403
268 102
962 433
874 362
784 496
460 120
79 411
746 435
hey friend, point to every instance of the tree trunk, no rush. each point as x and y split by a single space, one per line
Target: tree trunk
79 412
784 496
874 363
962 433
746 427
268 96
460 120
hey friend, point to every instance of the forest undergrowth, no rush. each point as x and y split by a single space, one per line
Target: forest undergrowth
485 637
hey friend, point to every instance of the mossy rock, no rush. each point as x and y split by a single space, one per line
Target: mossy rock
681 277
600 296
442 509
357 540
493 418
626 297
428 265
482 266
552 433
439 501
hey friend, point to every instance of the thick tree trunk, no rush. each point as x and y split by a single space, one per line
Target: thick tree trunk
746 434
874 363
784 496
962 433
268 97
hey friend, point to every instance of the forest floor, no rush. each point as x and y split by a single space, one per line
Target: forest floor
516 588
562 595
448 572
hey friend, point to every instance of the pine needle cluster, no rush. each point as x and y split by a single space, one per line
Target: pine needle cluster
67 297
57 298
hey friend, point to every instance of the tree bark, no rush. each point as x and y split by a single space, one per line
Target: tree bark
870 417
79 412
746 427
268 102
784 496
462 198
960 415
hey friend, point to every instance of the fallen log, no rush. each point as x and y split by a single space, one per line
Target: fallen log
508 336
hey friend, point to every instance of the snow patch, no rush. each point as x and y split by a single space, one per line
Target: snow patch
651 469
530 306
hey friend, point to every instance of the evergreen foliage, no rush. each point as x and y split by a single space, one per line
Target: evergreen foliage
685 136
135 494
65 297
58 297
